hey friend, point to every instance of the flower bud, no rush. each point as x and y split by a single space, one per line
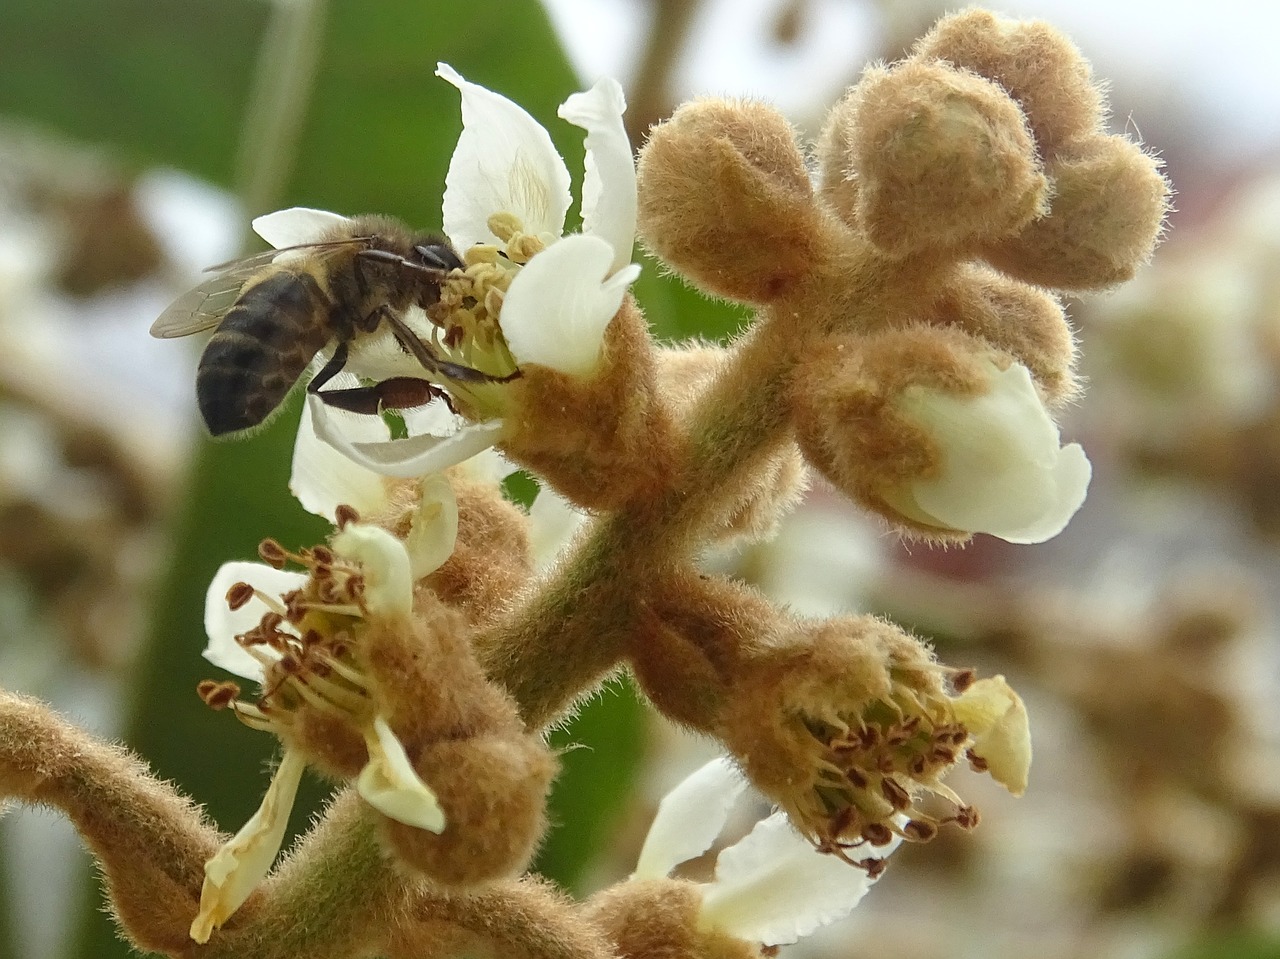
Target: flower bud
1107 213
1025 321
923 426
941 158
1042 70
725 199
597 441
649 917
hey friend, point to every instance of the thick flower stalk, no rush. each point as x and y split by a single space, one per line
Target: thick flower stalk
908 345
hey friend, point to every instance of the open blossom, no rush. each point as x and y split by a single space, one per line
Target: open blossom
1003 468
772 886
257 616
528 293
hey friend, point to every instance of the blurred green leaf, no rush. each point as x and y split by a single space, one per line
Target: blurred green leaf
1237 944
602 750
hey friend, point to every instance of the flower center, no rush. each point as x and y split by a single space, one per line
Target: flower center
304 643
868 768
465 322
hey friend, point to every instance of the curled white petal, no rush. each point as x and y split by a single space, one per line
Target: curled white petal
434 527
504 162
609 182
689 818
322 478
405 458
222 624
997 719
388 580
1003 469
298 224
773 887
553 521
558 306
244 861
390 785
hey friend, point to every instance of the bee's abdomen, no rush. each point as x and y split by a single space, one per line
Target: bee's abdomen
260 349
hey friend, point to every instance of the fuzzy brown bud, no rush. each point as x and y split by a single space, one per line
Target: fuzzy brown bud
847 421
1040 68
725 199
659 917
1025 321
941 158
600 441
1107 214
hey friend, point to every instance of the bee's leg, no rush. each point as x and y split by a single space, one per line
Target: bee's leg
433 364
330 369
397 393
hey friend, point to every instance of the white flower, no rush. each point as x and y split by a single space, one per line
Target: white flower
1004 470
770 887
557 306
387 569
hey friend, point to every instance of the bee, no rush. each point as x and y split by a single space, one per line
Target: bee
276 310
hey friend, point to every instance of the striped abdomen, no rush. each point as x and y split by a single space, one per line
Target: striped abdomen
260 349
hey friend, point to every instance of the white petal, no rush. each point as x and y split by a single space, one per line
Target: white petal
298 224
390 785
997 719
406 458
434 529
244 861
689 818
504 163
435 418
558 306
388 581
223 624
322 478
609 184
489 466
1004 472
773 887
553 521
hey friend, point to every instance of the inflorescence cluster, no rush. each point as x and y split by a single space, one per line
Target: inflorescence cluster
908 345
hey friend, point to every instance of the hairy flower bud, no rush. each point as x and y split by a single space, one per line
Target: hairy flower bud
1025 321
725 199
936 432
1107 214
1040 68
941 158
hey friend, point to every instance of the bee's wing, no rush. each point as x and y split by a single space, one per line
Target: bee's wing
205 306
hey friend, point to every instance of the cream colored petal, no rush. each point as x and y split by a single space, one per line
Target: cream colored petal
388 582
406 458
296 225
434 528
322 478
997 719
609 183
689 818
390 785
1004 471
553 522
558 306
222 624
243 862
773 887
504 163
